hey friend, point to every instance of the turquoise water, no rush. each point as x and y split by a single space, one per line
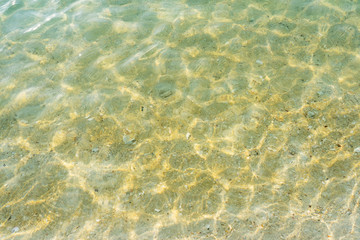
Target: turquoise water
140 119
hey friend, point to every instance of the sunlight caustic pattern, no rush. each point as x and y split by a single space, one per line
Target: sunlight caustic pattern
191 119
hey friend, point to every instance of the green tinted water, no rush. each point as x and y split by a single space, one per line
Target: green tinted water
173 119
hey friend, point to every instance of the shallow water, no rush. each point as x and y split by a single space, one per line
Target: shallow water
171 119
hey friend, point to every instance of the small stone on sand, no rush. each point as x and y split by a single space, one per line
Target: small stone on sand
128 140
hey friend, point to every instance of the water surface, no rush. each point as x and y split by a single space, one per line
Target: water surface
174 119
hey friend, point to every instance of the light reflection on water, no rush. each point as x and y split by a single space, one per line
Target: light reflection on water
189 119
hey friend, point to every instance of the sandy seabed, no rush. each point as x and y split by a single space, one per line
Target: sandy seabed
174 119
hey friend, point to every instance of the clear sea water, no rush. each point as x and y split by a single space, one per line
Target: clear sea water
169 119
